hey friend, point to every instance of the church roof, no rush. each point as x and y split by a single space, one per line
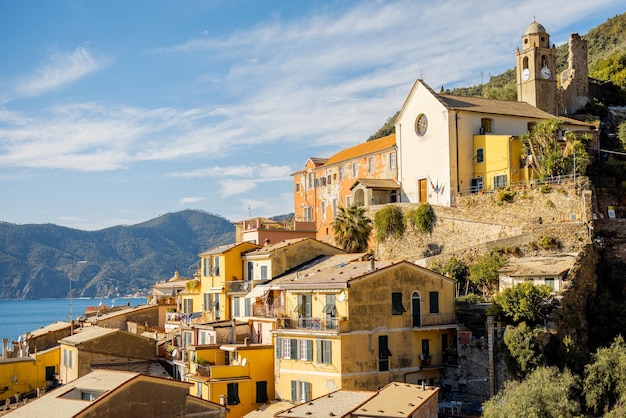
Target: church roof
500 107
535 27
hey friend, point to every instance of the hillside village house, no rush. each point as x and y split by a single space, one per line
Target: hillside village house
350 324
550 271
239 376
261 230
91 346
364 174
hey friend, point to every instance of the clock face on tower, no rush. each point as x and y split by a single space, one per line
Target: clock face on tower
545 73
525 74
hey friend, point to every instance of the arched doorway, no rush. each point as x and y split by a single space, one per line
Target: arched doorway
416 309
359 197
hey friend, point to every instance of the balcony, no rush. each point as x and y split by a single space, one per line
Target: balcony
238 286
315 324
185 318
434 320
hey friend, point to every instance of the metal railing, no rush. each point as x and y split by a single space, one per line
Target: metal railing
238 286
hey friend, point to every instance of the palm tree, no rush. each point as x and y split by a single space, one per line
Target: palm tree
352 229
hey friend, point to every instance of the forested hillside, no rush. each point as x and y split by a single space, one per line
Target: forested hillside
36 261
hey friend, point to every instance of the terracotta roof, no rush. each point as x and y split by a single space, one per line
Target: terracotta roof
339 403
365 148
222 248
387 184
396 400
538 266
87 334
55 326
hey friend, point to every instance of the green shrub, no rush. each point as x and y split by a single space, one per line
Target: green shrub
550 204
548 243
389 221
506 196
423 218
546 188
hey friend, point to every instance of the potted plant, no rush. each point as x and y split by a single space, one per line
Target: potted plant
425 359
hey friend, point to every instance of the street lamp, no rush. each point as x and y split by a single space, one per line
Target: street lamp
71 317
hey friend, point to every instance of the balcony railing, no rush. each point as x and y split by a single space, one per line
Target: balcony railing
436 319
238 286
315 324
185 318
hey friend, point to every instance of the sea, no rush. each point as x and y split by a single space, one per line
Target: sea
17 317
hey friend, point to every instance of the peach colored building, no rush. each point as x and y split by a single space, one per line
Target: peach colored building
365 174
263 230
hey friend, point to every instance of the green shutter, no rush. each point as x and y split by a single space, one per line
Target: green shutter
309 350
328 352
294 349
279 348
294 391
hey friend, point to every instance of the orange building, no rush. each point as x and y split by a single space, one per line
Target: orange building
365 174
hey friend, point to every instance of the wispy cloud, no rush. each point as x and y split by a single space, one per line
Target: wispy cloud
190 200
61 69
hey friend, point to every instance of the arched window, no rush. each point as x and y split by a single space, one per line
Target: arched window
416 309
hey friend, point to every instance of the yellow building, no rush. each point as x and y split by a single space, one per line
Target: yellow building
497 162
29 374
222 278
344 323
239 376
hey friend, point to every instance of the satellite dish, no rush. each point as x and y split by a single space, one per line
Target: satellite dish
244 361
174 353
341 297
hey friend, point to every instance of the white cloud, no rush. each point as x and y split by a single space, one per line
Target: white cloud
62 69
189 200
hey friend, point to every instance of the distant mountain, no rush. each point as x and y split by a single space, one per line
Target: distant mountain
36 260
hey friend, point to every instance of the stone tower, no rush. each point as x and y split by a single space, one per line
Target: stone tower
575 79
536 69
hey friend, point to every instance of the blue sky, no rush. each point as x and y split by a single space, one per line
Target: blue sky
115 112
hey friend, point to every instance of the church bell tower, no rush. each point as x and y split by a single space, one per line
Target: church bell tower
536 69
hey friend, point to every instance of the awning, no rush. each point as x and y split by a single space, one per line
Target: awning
258 291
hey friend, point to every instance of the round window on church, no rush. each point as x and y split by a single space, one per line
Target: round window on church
421 124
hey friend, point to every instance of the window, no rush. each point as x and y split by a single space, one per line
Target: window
370 165
323 211
396 304
485 125
383 353
233 393
421 125
187 305
341 173
236 306
480 155
392 160
549 282
434 302
207 266
261 391
250 270
199 389
207 301
324 351
334 208
216 269
247 307
425 348
300 391
499 181
287 348
69 354
310 181
217 306
264 272
355 169
297 187
306 350
307 214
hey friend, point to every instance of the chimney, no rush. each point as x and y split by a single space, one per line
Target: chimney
372 263
5 342
267 242
246 341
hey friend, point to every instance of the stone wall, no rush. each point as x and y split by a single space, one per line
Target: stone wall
478 222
